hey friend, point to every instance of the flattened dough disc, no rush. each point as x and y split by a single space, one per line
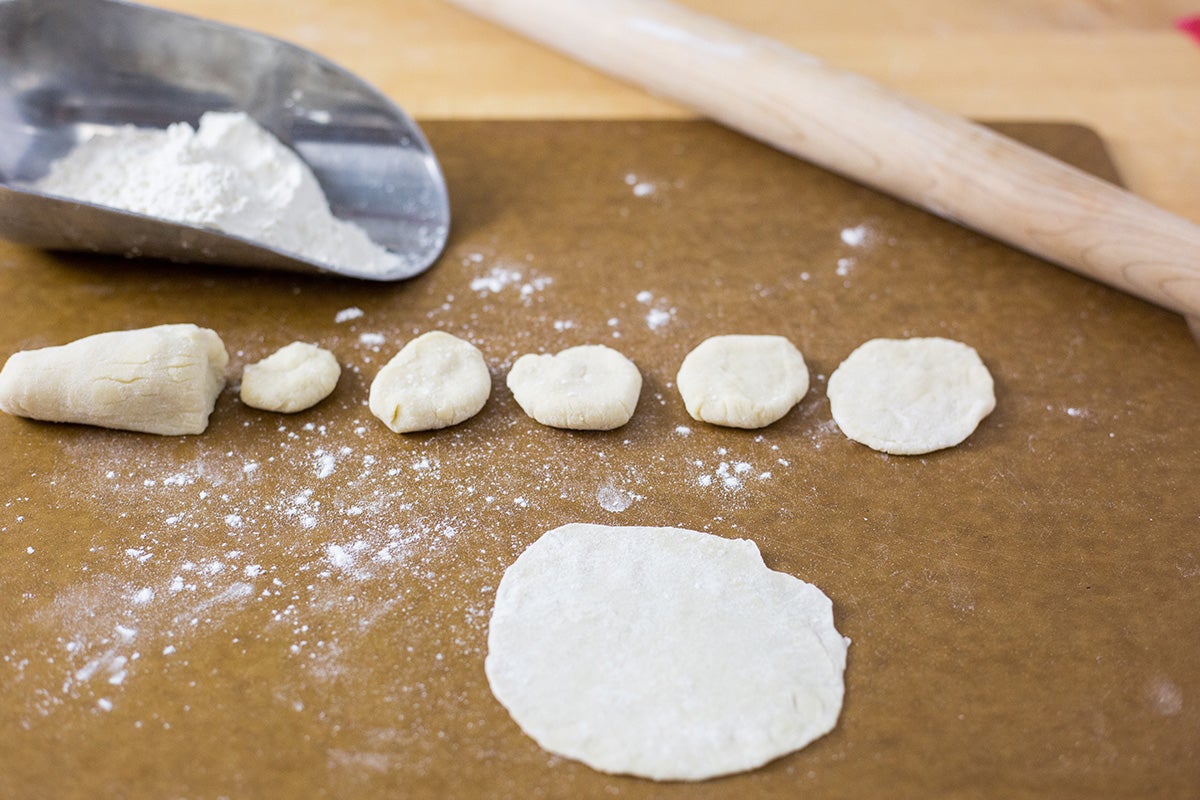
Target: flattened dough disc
662 652
911 396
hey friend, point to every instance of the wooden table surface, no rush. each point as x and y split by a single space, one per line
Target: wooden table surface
1120 67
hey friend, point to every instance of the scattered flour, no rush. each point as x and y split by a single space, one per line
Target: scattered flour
640 188
245 535
503 276
856 236
496 280
733 474
657 318
326 463
311 540
614 500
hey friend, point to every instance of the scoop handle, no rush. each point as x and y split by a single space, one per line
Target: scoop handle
848 124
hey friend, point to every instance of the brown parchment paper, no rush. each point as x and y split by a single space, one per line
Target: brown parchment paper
296 606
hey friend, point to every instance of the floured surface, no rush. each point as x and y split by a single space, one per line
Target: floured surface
298 605
662 652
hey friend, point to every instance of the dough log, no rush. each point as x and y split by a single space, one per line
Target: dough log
162 380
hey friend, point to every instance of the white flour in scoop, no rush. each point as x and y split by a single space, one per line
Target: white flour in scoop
229 174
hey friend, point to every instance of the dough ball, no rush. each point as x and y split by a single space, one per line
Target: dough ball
435 381
590 388
910 396
742 381
662 652
291 379
162 380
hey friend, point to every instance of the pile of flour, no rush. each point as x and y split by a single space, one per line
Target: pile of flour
229 174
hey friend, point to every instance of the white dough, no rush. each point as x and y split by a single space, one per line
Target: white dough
291 379
742 381
662 652
911 396
591 387
435 381
162 380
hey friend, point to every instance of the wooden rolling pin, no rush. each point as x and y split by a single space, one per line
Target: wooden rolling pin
850 125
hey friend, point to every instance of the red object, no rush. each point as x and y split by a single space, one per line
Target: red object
1190 26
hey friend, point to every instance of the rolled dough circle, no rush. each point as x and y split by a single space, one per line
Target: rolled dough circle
662 652
742 381
591 387
293 378
435 381
911 396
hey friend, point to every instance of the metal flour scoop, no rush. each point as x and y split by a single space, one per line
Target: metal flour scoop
69 68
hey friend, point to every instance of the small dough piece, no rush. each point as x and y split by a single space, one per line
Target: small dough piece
662 652
435 381
742 381
162 380
911 396
586 388
293 378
